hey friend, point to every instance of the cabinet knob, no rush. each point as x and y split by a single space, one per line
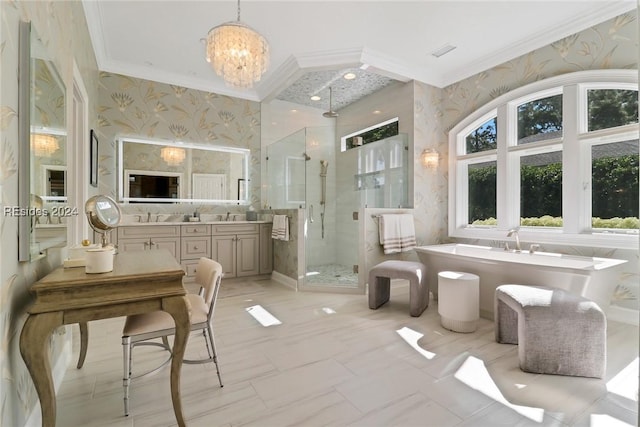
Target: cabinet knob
195 247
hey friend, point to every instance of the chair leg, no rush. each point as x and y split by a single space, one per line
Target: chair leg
206 343
126 372
165 341
215 356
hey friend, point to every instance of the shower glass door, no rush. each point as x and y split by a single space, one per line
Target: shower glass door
331 242
307 170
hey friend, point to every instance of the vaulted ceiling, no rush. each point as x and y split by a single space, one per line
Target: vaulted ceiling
314 43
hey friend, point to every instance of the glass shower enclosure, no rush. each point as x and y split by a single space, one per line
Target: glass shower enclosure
308 170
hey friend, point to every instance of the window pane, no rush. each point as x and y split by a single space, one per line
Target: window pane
483 138
540 120
541 190
482 193
376 134
612 107
614 201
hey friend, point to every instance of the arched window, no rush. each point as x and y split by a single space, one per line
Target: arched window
557 158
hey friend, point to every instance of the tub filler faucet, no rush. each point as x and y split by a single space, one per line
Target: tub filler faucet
513 232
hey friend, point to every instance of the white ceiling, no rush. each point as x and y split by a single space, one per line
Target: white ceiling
313 42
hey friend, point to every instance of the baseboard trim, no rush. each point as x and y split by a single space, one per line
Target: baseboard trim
284 280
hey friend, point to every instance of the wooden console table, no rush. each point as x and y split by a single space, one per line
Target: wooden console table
140 282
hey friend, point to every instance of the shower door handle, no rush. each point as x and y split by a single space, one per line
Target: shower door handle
310 213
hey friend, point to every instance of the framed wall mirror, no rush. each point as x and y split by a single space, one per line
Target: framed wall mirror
169 172
43 154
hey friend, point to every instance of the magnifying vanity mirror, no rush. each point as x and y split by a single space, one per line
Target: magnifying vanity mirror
170 172
103 214
43 153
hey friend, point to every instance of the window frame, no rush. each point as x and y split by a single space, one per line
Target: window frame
575 142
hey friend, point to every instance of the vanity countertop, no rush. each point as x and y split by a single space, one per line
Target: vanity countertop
128 224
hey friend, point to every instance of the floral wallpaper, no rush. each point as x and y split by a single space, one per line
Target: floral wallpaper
611 44
65 37
150 110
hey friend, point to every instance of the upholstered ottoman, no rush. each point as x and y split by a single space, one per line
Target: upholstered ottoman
380 277
557 332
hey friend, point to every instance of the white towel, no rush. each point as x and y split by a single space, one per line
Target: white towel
397 233
280 230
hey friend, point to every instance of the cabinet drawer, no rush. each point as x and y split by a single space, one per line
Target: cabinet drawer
150 243
128 245
196 230
235 229
189 267
195 247
189 279
147 231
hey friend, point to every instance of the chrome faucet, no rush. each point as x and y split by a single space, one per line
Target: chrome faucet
513 232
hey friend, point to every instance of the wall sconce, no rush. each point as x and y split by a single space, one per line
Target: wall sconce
429 158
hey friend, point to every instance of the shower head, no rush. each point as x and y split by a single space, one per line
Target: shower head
330 114
306 157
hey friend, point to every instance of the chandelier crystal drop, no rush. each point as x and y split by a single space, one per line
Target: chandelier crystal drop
237 53
173 156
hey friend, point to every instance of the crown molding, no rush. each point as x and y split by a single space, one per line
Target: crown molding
177 79
550 35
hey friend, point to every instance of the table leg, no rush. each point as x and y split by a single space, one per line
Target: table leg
84 343
34 347
180 310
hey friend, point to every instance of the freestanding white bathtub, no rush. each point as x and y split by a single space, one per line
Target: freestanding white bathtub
591 277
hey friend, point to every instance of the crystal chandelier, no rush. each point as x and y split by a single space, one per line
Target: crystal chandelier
173 156
44 145
237 53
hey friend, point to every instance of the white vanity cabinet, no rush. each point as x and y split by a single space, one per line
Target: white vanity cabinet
195 244
242 248
150 237
236 247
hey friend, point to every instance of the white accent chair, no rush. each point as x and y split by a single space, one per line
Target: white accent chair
140 328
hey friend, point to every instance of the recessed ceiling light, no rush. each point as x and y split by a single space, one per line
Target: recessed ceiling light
349 76
294 111
443 50
315 98
376 111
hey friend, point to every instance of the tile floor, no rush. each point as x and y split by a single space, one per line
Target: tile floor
332 361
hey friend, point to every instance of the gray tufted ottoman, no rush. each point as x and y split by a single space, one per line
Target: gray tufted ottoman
380 277
557 332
